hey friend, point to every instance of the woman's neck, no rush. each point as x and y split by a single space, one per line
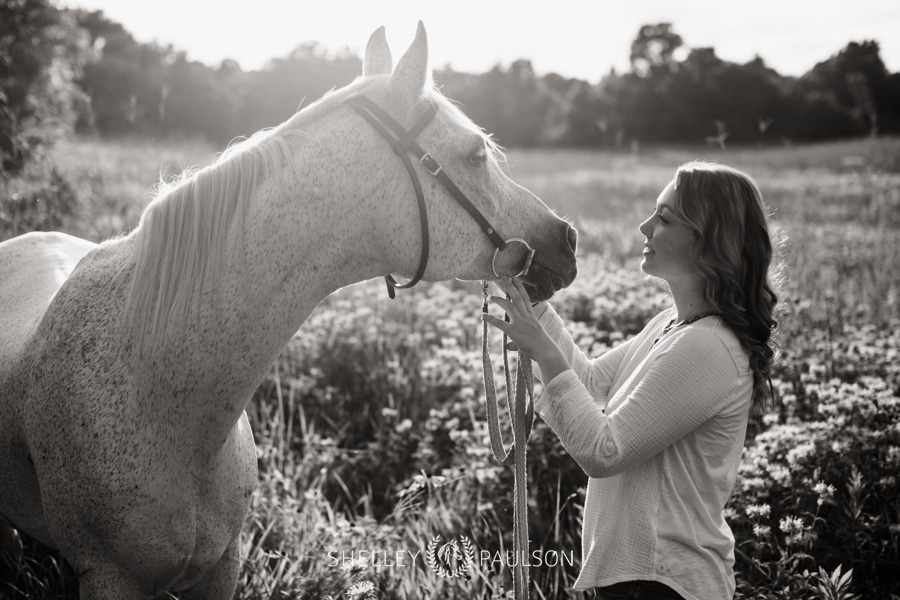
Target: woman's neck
689 298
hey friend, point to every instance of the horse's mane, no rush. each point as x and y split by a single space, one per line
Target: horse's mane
180 243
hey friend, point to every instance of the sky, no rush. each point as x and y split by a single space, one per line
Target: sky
582 39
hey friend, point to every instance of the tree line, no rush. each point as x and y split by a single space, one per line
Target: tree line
64 69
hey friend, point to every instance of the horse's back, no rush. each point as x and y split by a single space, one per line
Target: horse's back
33 267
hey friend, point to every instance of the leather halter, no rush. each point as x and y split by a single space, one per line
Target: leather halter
404 143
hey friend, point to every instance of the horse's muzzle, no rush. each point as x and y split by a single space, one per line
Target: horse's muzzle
553 267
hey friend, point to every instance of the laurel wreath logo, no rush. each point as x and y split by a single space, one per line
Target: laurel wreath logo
450 560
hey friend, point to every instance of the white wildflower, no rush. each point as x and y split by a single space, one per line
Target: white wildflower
759 511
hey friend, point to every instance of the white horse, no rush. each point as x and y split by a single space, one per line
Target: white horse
125 367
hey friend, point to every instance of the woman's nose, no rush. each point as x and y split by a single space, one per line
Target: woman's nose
646 229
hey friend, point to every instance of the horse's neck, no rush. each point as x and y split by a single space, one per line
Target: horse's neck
270 287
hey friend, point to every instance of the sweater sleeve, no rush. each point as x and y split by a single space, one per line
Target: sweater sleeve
686 384
595 374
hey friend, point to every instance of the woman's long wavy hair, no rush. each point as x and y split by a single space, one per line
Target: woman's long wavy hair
734 248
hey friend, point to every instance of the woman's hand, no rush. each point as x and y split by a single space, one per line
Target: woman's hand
523 328
526 330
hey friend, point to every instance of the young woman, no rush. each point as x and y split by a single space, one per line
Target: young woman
658 423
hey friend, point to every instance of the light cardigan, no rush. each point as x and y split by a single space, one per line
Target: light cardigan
663 456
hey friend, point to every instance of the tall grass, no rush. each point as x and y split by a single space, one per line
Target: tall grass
370 429
114 179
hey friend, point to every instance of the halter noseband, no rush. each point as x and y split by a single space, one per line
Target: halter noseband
403 143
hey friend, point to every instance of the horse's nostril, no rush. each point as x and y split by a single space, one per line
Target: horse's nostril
572 237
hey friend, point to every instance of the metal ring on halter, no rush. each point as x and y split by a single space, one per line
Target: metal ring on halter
528 258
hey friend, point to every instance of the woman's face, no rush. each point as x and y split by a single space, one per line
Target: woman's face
669 247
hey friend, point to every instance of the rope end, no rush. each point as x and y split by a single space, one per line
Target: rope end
392 293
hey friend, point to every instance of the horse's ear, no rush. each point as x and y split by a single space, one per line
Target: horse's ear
378 59
412 70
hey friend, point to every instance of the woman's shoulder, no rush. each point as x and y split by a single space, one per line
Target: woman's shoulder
661 319
712 336
654 326
707 340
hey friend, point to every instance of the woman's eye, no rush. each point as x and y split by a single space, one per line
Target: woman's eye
478 158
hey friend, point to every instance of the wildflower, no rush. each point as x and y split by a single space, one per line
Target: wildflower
781 475
893 453
800 452
790 524
423 481
818 370
479 451
430 480
361 590
761 531
354 565
753 483
824 491
459 434
758 510
403 426
486 474
784 387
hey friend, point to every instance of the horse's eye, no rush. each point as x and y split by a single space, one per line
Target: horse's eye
478 158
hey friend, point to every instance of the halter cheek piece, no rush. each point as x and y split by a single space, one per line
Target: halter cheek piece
404 143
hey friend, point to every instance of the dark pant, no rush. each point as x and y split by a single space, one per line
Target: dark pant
637 590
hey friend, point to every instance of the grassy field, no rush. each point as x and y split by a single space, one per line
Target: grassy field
370 428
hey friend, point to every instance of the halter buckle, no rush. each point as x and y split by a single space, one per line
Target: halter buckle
430 164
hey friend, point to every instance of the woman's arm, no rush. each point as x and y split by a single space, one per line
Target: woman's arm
542 333
687 384
596 374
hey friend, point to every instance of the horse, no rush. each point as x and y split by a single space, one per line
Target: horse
126 367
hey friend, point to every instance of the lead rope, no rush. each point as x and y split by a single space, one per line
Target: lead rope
523 420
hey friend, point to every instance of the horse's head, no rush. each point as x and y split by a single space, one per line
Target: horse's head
460 246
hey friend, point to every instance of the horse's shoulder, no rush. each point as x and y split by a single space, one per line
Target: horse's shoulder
33 267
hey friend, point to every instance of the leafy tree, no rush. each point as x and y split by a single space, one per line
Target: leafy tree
588 116
201 100
641 101
695 101
286 84
712 98
654 50
672 94
666 98
860 83
516 106
126 83
41 53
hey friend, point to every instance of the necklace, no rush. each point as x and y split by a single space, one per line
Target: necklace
673 325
